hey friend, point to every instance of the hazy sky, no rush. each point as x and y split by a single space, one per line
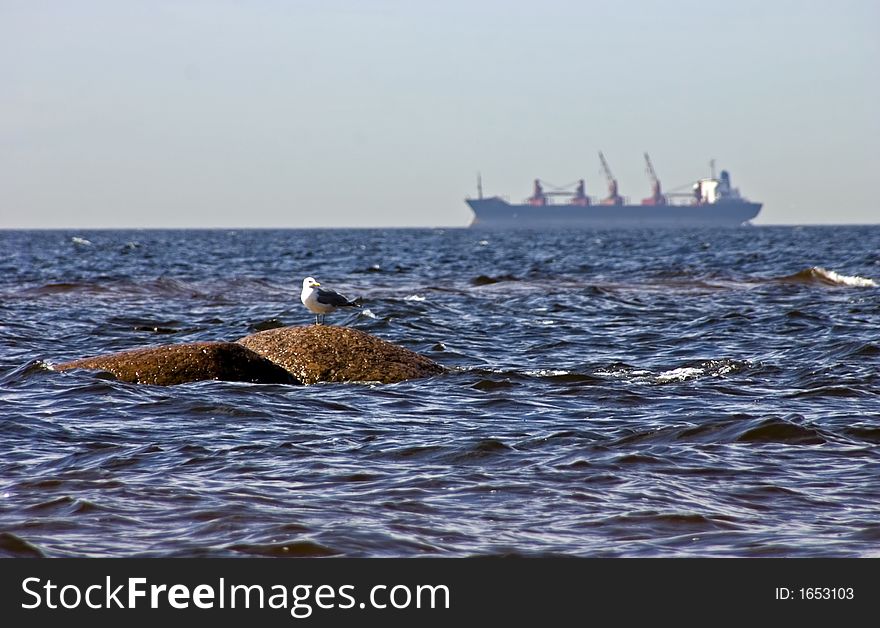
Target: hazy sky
300 113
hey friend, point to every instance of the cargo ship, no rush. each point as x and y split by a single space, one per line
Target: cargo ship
711 202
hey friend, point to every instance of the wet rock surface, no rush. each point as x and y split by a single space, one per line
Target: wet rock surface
178 364
327 353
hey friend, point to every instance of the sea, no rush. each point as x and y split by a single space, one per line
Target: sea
631 393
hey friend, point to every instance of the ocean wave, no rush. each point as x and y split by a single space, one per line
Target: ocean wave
13 546
64 287
296 548
679 374
486 280
743 428
820 276
700 370
24 372
164 286
269 323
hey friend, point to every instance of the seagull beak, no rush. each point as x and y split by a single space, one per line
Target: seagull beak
315 283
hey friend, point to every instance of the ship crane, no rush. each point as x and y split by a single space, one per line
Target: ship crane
538 197
613 197
657 197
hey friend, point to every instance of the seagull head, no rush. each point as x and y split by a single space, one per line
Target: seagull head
310 282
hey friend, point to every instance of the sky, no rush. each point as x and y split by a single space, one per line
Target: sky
380 113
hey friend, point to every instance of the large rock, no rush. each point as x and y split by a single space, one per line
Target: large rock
326 353
178 364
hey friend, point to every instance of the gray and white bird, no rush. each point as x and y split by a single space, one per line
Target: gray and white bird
321 301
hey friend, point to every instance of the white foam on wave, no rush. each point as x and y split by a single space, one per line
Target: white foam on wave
366 312
845 280
724 369
80 241
623 373
414 297
711 368
679 374
546 373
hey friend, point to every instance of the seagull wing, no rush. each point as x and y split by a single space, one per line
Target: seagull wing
331 297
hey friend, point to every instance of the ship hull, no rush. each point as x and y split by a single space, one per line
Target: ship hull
498 213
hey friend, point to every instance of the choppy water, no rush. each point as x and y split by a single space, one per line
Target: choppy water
682 393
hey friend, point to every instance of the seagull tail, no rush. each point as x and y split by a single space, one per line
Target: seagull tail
358 302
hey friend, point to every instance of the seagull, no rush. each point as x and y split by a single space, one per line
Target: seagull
321 301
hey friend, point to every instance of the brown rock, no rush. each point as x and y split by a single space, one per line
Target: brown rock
327 353
178 364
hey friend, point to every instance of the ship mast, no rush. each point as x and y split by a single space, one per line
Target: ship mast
613 197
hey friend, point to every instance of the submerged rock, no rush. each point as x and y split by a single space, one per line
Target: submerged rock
327 353
178 364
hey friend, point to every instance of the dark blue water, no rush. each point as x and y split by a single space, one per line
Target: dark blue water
629 393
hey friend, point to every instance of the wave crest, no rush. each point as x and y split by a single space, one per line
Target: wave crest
821 276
